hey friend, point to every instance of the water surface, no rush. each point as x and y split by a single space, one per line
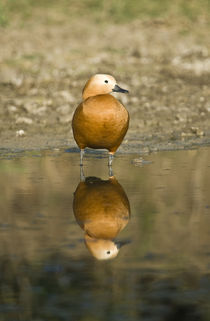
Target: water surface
150 221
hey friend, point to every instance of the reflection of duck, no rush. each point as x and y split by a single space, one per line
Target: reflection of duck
102 210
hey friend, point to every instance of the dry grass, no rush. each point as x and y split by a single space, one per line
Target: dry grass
115 11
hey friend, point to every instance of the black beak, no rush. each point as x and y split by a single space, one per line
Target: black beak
119 90
122 243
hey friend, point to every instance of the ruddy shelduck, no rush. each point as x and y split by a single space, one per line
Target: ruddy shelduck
102 210
100 121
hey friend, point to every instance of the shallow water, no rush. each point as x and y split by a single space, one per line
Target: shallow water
54 228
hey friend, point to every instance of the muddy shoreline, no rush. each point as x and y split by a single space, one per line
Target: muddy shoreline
165 66
131 145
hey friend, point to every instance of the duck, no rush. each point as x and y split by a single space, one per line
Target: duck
102 210
100 121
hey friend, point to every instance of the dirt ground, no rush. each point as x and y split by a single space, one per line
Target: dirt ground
45 64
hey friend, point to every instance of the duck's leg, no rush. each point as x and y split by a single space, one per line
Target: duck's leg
82 151
111 157
111 174
82 175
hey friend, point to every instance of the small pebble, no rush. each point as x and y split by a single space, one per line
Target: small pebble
12 109
137 160
65 119
20 133
24 120
64 110
197 131
140 161
183 134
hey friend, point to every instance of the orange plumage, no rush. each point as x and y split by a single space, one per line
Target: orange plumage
100 121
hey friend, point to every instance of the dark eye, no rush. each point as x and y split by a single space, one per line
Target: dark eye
108 252
106 81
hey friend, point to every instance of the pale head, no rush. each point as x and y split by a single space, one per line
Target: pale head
101 249
100 84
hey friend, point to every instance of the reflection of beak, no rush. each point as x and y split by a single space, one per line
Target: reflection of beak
101 249
122 243
119 90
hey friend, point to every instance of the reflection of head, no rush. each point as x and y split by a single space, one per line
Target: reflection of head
101 249
102 210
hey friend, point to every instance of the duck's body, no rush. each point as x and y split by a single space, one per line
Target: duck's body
100 121
101 207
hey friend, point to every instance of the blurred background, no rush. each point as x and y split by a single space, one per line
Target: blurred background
158 49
